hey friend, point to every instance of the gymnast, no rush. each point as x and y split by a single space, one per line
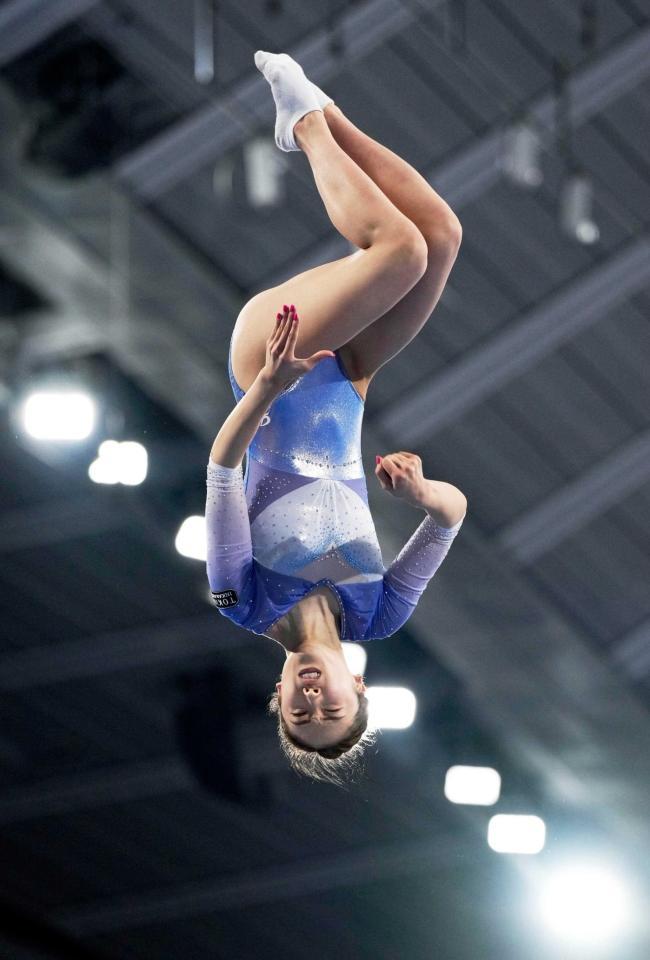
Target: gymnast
292 552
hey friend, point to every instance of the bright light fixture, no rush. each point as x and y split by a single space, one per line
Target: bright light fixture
475 785
390 707
191 540
355 657
586 904
59 415
515 833
576 209
125 462
264 172
521 160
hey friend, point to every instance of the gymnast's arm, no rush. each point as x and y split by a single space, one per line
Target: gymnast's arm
227 526
228 534
420 558
241 425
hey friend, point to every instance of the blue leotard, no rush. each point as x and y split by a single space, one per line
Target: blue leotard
299 518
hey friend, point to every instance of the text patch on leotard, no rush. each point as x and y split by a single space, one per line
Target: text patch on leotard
224 598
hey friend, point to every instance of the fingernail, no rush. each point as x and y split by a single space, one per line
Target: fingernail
377 459
286 308
292 307
279 317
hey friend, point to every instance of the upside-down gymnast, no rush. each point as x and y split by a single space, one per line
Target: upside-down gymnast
292 549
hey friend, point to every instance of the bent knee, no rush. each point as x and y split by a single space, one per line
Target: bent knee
445 234
412 251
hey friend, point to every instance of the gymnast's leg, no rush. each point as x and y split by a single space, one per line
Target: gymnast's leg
436 221
336 300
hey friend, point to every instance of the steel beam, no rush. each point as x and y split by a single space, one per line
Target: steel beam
632 652
26 23
102 654
205 135
475 169
482 371
155 347
140 52
575 504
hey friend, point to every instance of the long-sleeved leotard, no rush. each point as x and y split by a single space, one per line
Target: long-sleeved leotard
299 518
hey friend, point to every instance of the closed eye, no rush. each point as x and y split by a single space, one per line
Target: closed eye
333 716
303 713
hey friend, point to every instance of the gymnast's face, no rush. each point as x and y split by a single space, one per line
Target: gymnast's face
319 709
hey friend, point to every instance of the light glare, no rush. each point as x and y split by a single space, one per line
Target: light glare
586 904
390 707
59 415
125 462
587 231
355 657
476 785
514 833
191 540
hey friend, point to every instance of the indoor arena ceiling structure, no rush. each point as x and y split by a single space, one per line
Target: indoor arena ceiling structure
131 236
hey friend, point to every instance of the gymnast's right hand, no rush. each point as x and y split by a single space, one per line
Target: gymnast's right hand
281 365
401 475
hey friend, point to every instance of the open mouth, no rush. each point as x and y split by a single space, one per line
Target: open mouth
309 673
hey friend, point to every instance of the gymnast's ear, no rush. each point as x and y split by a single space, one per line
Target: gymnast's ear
278 688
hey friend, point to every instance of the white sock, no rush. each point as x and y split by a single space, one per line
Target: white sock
322 98
293 94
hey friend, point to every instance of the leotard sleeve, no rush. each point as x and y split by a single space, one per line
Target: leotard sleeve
408 575
228 535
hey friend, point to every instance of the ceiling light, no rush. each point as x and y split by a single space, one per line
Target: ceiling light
521 158
576 209
59 414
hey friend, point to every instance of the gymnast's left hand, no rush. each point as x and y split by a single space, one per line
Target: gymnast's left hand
282 366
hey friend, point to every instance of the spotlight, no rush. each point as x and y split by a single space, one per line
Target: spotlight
355 657
586 904
576 209
390 707
475 785
512 833
59 415
521 160
191 538
119 463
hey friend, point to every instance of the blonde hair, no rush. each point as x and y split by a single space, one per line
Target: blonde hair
335 763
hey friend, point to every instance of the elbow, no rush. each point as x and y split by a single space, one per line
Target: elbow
222 457
454 507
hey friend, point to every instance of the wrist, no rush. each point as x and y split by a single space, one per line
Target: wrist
268 384
423 498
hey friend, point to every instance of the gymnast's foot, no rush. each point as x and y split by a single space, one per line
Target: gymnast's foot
321 96
293 93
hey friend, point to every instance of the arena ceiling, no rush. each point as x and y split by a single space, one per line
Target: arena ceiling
128 245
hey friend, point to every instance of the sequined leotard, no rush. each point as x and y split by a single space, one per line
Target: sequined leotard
299 518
